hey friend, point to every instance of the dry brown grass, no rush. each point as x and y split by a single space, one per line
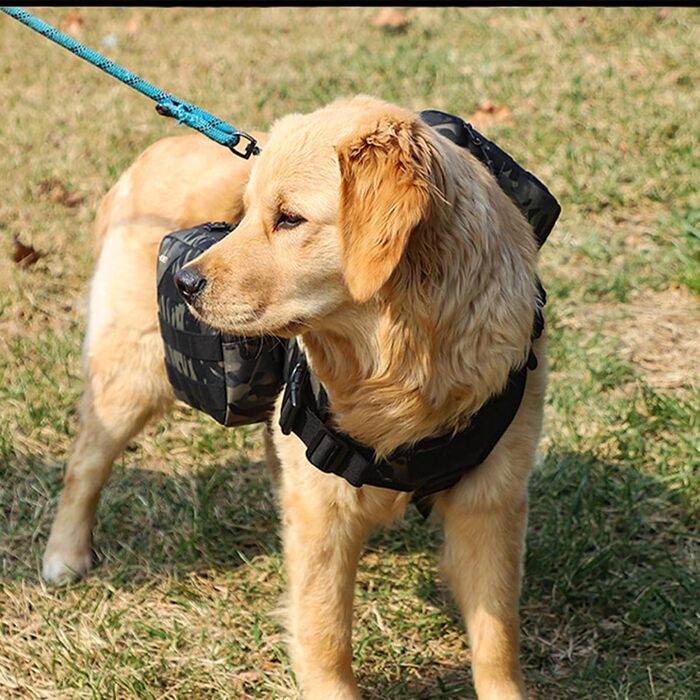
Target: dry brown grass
656 333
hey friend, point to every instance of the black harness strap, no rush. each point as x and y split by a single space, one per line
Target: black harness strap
429 466
529 194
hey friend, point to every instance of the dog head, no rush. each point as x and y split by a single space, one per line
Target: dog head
328 212
409 273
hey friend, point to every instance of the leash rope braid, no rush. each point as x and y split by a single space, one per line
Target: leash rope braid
167 105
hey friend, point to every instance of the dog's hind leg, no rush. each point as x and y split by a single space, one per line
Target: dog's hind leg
126 385
176 183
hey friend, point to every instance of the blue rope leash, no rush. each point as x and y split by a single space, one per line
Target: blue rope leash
167 105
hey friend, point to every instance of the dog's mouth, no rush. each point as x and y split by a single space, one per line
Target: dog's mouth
248 323
287 330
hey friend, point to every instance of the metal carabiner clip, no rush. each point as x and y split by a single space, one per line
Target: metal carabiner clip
252 148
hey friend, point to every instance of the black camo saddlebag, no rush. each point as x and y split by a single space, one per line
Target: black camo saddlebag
234 379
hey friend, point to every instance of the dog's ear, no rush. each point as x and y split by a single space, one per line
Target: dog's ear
385 193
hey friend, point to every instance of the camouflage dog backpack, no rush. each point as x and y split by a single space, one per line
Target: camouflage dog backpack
234 379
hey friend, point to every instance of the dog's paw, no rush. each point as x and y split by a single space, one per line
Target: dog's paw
60 569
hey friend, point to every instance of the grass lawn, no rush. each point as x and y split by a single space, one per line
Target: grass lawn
601 104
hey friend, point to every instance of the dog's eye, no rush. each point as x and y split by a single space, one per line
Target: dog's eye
285 220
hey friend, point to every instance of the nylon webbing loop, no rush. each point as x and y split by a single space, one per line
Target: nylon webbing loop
214 128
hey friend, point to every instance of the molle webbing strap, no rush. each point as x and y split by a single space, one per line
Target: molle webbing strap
427 467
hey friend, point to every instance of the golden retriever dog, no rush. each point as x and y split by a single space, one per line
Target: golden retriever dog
409 278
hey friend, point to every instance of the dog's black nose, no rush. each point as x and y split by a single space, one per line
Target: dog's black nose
189 282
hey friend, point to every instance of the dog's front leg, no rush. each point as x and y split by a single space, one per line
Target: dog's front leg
322 543
482 562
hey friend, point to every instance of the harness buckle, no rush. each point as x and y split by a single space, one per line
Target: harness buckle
327 452
291 403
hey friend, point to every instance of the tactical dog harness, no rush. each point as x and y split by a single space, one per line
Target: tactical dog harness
236 380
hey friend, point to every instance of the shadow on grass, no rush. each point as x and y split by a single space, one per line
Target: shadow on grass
149 523
611 584
153 523
610 590
436 682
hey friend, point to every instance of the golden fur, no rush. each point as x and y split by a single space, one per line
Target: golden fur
408 276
